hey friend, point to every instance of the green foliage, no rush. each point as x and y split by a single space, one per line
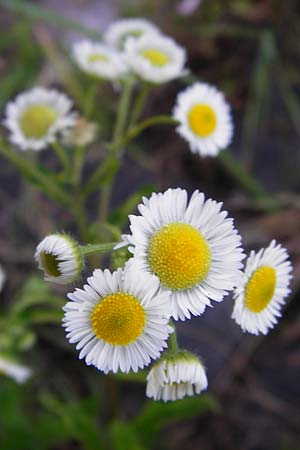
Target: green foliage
27 425
124 437
34 304
150 422
120 215
38 13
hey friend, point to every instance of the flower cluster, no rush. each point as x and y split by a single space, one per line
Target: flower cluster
185 253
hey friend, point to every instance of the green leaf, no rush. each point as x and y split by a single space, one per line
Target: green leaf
35 291
102 175
37 175
158 414
124 437
79 419
120 215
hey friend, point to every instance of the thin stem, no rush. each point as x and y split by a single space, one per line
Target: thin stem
123 109
137 129
92 249
89 102
139 104
246 181
45 182
173 343
80 215
122 115
62 156
78 161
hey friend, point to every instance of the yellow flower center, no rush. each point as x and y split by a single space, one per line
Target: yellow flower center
202 120
36 120
118 319
156 57
179 255
50 264
260 289
98 57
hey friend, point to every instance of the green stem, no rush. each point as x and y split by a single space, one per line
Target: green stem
80 215
78 161
90 102
102 175
139 104
173 344
92 249
123 109
122 116
45 182
246 181
62 156
137 129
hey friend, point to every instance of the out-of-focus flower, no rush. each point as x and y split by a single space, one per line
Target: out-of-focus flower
119 320
176 376
205 119
262 291
59 256
12 369
82 134
188 7
35 118
193 248
99 60
155 58
118 32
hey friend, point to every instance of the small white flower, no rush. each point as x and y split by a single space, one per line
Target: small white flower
2 278
205 119
193 248
59 257
262 291
36 116
155 58
119 320
176 376
99 60
14 370
118 32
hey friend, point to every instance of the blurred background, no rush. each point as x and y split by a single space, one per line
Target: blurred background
249 49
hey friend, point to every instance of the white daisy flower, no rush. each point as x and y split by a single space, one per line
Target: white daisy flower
14 370
2 278
99 60
119 320
176 376
156 59
59 256
118 32
36 116
193 248
262 291
205 119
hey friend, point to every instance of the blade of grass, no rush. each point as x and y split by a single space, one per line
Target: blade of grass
257 96
35 12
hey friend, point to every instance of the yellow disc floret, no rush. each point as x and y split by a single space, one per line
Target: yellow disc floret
49 263
98 57
36 120
179 255
260 289
118 319
156 57
202 120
